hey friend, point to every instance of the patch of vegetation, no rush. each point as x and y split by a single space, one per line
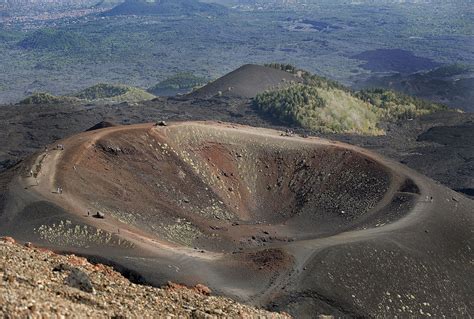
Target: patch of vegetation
450 70
180 81
320 109
310 79
68 234
55 40
393 105
182 232
107 93
113 93
326 106
47 98
283 67
101 91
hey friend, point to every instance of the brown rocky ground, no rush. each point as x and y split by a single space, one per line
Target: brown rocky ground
36 283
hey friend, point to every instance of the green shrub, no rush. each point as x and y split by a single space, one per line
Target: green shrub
283 67
396 106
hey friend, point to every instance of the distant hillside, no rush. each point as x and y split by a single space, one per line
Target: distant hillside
451 84
113 93
54 40
165 7
47 98
326 106
8 35
108 3
179 83
103 93
246 82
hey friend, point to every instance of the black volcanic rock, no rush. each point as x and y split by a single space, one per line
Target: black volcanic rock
164 7
394 60
454 136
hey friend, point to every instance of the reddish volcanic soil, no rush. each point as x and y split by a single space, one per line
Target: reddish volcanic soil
246 211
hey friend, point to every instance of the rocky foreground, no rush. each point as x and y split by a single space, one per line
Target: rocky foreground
39 283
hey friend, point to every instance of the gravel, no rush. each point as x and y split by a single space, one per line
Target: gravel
34 283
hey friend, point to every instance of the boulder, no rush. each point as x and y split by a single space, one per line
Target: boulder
99 215
161 123
79 280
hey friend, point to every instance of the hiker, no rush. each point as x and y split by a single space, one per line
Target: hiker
31 173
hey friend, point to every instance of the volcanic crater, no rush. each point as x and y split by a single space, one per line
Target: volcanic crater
243 210
221 188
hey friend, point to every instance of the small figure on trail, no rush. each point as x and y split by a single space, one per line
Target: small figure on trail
88 213
59 190
31 173
288 132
